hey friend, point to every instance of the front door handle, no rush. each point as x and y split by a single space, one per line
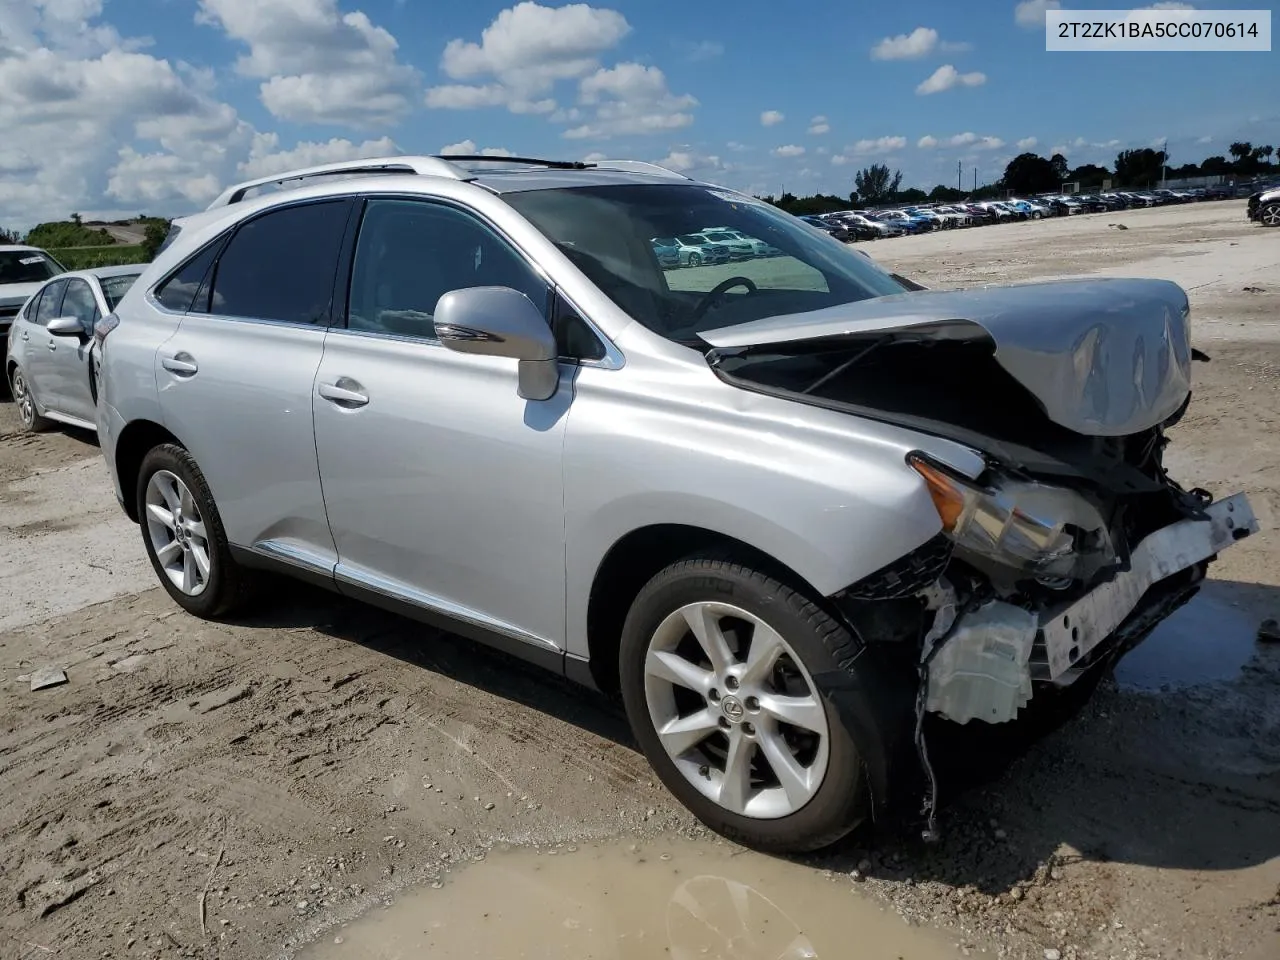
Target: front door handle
182 364
345 392
53 344
25 335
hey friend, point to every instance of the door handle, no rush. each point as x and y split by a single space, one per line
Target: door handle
53 345
25 335
345 393
182 364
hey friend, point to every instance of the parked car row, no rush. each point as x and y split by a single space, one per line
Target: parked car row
853 225
711 245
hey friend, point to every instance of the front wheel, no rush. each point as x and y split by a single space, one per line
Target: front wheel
1270 215
695 260
739 690
184 536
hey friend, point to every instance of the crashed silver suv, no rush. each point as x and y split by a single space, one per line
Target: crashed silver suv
784 506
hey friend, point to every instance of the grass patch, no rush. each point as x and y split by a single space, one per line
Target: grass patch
82 258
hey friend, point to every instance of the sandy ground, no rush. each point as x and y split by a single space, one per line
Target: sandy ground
236 790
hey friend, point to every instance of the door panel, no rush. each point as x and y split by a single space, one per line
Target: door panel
39 347
442 486
70 355
237 376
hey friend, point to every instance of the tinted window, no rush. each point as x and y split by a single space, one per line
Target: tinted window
33 306
51 303
280 266
80 303
179 291
114 288
409 254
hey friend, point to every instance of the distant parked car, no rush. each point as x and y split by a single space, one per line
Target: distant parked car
739 247
832 228
22 270
50 357
1264 207
667 250
695 250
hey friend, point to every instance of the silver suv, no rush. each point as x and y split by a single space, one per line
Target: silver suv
784 507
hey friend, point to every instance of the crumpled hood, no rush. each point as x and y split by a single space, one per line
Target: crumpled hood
16 294
1104 357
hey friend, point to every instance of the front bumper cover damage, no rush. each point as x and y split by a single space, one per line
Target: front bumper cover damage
981 664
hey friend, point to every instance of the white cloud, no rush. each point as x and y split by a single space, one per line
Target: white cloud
468 148
1030 13
595 157
790 150
771 118
266 158
630 98
698 51
160 177
1169 5
970 139
1205 140
819 125
880 145
1027 143
316 63
927 142
946 77
920 42
683 161
523 53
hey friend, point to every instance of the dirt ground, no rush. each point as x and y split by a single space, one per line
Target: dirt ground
237 790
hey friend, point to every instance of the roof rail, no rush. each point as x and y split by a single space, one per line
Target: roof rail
424 166
530 161
638 166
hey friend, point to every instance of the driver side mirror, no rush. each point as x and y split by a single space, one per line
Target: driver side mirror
502 322
66 327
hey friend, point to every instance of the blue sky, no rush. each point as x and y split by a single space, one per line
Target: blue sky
157 103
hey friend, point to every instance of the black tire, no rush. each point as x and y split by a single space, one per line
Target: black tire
695 260
227 587
29 418
1269 216
860 746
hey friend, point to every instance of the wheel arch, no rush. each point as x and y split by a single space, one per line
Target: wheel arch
634 559
135 441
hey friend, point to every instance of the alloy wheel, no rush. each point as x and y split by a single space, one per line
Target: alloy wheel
177 533
22 397
736 710
1271 215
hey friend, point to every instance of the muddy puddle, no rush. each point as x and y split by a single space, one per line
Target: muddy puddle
674 900
1207 641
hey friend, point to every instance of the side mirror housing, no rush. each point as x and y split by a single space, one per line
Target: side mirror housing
65 327
501 322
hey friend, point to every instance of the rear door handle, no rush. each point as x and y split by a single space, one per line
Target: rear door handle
345 393
182 364
53 344
25 335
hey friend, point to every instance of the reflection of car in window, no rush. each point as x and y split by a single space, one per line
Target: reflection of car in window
695 250
667 250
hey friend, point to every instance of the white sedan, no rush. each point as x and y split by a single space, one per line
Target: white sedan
49 362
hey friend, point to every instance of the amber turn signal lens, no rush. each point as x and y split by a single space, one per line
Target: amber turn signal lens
948 496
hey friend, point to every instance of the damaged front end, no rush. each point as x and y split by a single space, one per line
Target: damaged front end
1074 542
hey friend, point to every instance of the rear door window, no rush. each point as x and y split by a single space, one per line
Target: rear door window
178 293
280 266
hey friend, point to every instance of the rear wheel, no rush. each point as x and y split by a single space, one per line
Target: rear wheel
1270 215
28 416
737 687
695 260
184 537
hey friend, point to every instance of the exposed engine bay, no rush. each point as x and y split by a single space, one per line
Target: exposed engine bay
1074 542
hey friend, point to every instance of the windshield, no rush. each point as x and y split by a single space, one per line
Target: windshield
605 231
114 288
27 266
